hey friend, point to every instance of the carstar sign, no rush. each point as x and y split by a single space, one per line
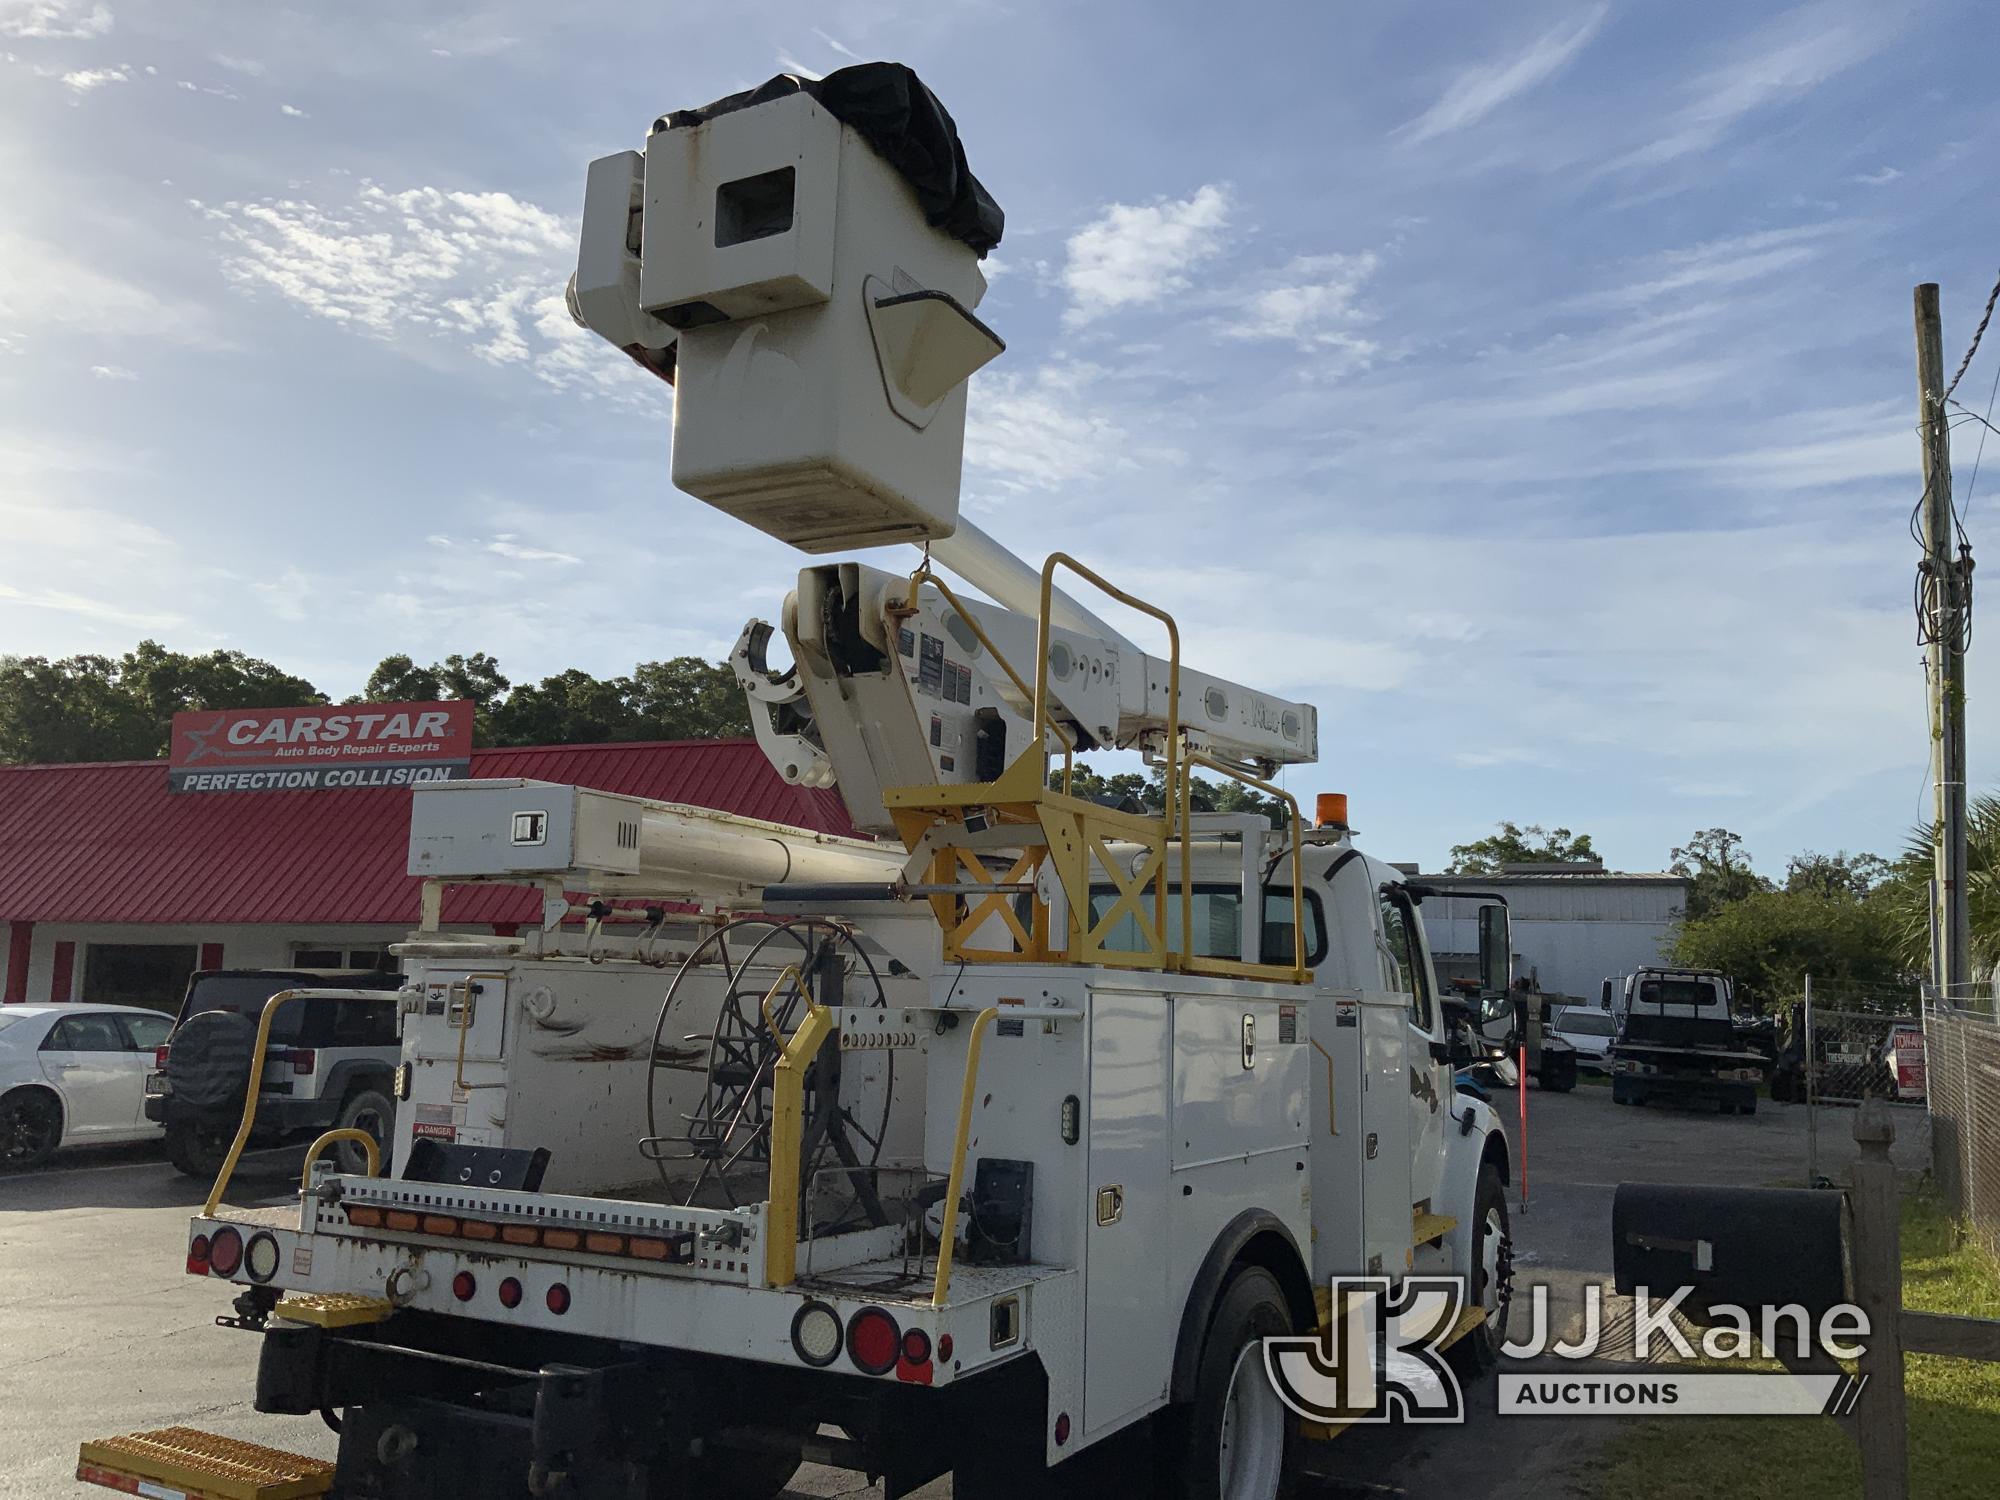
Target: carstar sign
330 745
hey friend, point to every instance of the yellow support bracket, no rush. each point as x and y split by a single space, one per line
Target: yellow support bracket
788 1109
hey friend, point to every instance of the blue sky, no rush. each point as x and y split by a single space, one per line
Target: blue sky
1529 386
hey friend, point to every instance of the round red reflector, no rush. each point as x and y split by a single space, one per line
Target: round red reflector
873 1341
917 1346
1062 1429
225 1252
944 1348
463 1286
197 1261
510 1293
558 1299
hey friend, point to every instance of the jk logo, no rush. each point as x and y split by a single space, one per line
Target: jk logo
1381 1359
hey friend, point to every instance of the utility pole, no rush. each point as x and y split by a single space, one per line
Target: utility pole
1945 579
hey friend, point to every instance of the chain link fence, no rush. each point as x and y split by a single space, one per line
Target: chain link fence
1962 1068
1835 1046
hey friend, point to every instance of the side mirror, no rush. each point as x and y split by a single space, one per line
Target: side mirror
1604 996
1496 949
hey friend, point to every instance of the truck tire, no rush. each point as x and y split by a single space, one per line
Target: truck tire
1235 1440
1557 1077
197 1147
369 1109
31 1127
1492 1277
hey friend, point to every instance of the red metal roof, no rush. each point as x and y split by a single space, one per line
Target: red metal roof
108 842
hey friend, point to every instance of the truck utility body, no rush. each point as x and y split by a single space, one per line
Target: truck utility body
1677 1040
962 1149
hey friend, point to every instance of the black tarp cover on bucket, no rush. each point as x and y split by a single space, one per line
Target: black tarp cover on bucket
908 128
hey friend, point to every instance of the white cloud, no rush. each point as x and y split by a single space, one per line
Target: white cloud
1045 431
248 66
295 113
85 79
1132 255
483 270
1881 178
838 46
1314 304
113 372
1478 91
54 19
1716 265
1777 64
46 285
789 64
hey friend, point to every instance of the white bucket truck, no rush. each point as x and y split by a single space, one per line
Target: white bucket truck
963 1149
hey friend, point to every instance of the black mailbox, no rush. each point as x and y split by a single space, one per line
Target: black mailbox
1748 1247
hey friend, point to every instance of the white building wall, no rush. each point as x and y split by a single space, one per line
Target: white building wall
1570 933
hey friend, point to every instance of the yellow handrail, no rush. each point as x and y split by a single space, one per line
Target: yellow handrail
788 1092
345 1133
960 1144
257 1057
1130 601
791 972
1197 758
923 576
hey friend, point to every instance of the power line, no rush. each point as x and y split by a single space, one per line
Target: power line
1973 348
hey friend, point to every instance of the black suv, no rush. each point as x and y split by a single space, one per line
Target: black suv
331 1063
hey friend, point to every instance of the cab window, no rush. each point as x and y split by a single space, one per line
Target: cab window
1218 923
1402 967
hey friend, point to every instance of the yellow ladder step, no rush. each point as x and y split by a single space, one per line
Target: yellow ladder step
181 1462
333 1309
1426 1227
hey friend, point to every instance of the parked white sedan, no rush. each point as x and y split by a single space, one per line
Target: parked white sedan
1590 1032
73 1075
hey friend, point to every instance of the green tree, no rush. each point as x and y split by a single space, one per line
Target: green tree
569 708
1515 845
1717 867
686 698
1907 889
1841 874
1769 940
95 708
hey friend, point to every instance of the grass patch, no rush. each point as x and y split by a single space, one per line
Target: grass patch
1954 1410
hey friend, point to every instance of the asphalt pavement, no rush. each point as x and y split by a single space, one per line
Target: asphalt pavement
102 1332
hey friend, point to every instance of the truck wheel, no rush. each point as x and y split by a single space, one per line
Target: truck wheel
31 1127
368 1109
1492 1277
197 1148
1234 1440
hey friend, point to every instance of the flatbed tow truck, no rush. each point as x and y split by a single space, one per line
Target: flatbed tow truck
965 1148
1677 1040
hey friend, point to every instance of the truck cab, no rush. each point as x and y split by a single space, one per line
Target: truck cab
1677 1039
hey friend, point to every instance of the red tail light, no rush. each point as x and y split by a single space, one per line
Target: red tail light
510 1293
159 1057
304 1059
916 1346
463 1286
225 1252
197 1263
558 1299
873 1341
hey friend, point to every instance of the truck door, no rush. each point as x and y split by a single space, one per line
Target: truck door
1429 1082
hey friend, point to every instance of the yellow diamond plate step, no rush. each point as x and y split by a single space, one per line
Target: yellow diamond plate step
177 1462
1425 1228
333 1309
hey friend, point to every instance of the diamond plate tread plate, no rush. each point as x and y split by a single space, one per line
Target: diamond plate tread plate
333 1309
206 1466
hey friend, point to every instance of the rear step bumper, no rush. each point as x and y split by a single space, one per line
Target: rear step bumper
179 1463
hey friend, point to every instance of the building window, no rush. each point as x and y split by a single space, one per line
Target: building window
374 956
154 975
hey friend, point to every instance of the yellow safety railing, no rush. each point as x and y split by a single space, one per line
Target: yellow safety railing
360 1138
257 1060
788 1092
948 1230
1074 840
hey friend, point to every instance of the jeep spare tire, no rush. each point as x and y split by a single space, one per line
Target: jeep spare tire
208 1061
